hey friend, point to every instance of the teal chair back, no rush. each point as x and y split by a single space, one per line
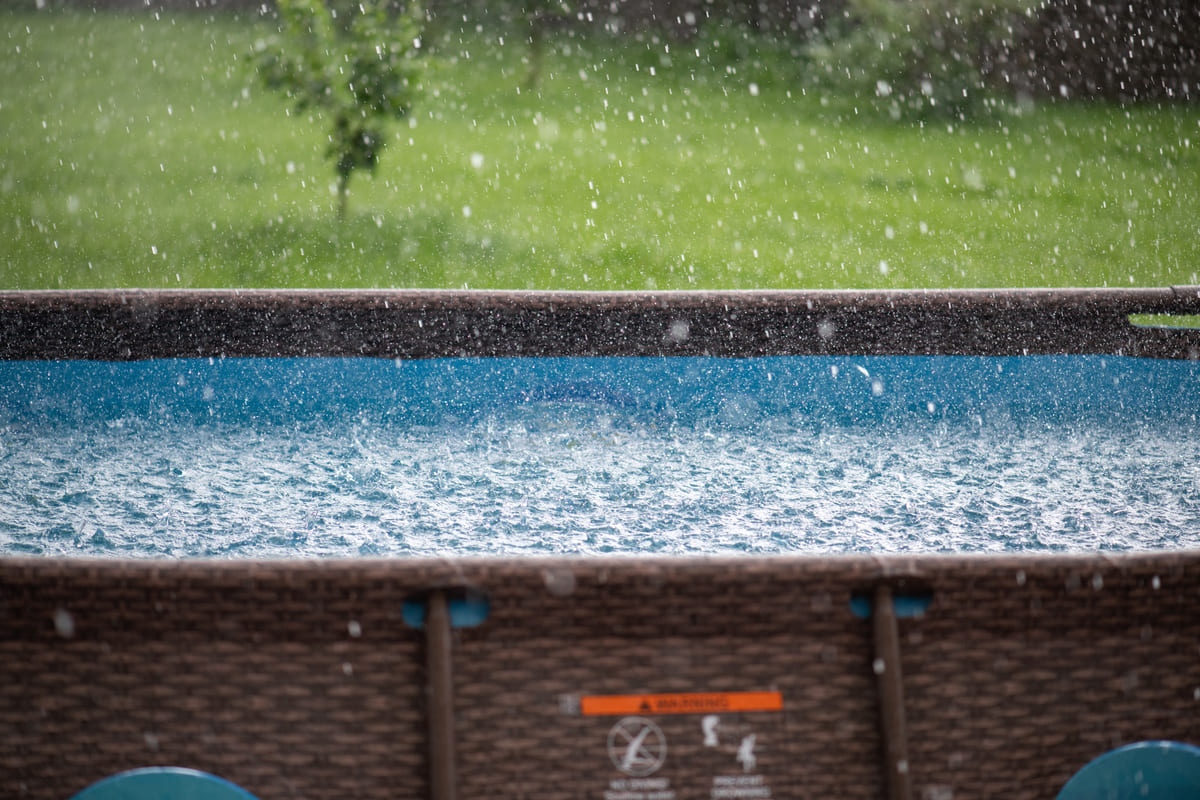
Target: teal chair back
1141 771
163 783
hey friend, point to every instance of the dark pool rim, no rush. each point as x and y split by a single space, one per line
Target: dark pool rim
134 324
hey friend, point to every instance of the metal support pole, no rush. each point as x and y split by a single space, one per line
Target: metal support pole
891 695
442 779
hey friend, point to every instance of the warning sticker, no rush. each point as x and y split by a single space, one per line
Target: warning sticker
637 746
684 703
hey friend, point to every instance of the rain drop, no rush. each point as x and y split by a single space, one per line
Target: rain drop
560 581
64 623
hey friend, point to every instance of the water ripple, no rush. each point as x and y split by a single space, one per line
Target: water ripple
521 484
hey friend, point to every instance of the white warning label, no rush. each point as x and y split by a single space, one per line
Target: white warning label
640 789
726 787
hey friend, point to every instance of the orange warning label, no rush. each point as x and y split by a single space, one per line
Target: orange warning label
686 703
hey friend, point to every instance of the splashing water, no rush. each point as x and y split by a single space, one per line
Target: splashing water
595 457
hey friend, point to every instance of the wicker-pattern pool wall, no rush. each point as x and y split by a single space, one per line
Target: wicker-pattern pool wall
301 679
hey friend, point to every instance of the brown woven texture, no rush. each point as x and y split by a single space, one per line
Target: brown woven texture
251 673
1023 671
301 680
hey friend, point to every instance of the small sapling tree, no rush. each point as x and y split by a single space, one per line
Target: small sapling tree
358 63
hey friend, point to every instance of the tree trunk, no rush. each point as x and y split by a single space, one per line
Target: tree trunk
537 47
343 189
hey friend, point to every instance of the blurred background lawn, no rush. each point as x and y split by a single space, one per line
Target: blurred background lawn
137 149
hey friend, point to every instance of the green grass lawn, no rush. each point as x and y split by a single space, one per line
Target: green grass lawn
137 150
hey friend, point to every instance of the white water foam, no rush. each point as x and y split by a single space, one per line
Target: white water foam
553 478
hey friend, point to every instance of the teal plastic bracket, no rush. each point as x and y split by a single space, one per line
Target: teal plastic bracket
906 605
468 608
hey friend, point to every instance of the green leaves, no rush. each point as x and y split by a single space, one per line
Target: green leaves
928 59
356 60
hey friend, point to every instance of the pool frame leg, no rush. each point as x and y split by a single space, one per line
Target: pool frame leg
438 644
891 695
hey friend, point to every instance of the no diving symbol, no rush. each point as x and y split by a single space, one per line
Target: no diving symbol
636 746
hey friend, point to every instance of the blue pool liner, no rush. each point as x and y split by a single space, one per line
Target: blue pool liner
827 389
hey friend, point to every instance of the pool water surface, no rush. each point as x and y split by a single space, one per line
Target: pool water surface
284 458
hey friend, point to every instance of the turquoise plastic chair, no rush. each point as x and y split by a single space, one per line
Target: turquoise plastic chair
1141 771
163 783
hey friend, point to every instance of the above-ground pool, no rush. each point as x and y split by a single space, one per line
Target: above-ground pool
347 424
935 545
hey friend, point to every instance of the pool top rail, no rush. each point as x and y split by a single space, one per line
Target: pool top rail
132 324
